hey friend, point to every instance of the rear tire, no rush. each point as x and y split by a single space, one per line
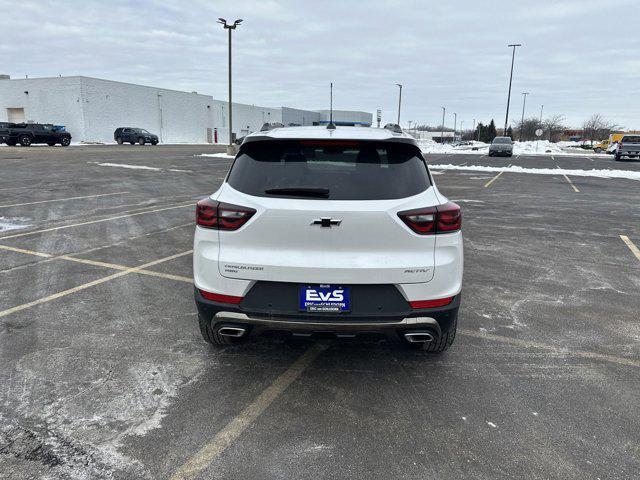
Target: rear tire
119 141
618 158
212 337
51 144
442 343
11 144
141 141
25 140
598 150
132 143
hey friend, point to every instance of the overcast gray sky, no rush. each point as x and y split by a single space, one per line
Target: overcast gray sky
579 57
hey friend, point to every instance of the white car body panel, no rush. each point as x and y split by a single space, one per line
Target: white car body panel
372 245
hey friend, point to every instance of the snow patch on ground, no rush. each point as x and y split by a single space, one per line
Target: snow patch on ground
139 167
216 155
539 147
599 173
124 165
13 223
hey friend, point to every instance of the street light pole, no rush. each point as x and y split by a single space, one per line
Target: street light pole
442 127
231 148
399 101
540 126
524 102
513 56
455 124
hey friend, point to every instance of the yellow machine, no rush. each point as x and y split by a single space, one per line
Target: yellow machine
605 144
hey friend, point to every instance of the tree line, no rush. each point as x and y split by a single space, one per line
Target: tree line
594 128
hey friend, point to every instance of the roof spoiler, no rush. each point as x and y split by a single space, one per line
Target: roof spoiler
394 127
270 126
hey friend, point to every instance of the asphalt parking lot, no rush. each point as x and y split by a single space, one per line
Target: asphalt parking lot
105 374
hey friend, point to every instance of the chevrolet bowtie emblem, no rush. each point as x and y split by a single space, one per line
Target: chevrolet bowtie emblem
326 222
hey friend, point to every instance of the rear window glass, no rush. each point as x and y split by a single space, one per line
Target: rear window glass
631 139
502 140
330 169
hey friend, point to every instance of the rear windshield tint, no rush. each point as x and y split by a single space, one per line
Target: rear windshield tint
631 139
342 170
502 140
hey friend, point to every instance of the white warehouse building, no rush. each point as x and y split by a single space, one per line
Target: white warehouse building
91 109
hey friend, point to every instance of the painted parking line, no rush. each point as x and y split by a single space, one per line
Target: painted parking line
84 286
550 348
63 199
95 263
631 246
108 219
495 178
575 189
229 434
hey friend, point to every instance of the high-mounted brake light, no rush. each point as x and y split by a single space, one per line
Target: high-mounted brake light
433 220
222 216
438 302
217 297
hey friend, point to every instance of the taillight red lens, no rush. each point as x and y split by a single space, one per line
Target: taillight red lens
421 220
217 297
438 302
222 216
433 220
449 217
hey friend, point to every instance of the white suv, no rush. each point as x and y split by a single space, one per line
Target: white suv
329 231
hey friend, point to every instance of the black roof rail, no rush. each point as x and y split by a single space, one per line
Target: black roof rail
270 126
394 127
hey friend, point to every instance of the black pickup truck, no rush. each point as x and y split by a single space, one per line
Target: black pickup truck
4 131
27 134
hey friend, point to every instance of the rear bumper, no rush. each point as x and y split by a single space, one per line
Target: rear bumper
435 320
506 153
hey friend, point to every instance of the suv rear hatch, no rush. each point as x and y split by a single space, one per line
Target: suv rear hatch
327 212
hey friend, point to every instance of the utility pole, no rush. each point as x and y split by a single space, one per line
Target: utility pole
513 56
442 127
409 125
399 101
538 138
231 150
455 124
524 102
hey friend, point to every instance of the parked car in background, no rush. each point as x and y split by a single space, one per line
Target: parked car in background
332 232
501 146
134 135
27 134
628 147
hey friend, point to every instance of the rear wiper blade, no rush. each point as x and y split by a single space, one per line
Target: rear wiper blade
299 191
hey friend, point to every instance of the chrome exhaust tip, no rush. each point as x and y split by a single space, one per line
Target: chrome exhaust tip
418 337
235 332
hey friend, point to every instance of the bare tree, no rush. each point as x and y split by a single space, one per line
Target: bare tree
554 126
526 130
597 127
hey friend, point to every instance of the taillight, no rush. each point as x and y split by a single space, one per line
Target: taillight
449 217
217 297
433 220
438 302
221 216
